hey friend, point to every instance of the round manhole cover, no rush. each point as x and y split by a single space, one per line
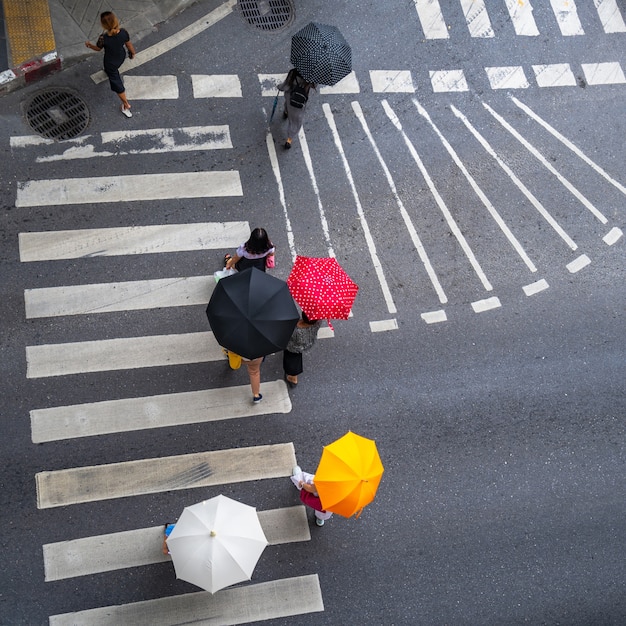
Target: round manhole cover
57 114
267 15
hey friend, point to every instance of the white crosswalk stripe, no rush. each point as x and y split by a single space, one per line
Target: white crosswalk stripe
142 546
186 471
250 603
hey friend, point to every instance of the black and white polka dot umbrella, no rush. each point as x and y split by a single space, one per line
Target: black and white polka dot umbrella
321 54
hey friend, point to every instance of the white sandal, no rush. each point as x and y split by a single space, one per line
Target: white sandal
126 112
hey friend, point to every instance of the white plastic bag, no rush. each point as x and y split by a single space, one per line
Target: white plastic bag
223 273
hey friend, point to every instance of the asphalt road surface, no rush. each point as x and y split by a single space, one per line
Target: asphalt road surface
473 185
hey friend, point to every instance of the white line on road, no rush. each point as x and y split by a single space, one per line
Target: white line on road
349 84
577 264
308 161
391 307
518 183
130 240
434 317
521 13
63 359
380 326
129 188
477 18
169 43
603 73
568 144
610 17
512 77
163 87
448 80
417 242
391 81
175 409
517 246
431 19
612 236
143 546
216 86
577 194
454 228
239 605
536 287
567 17
171 473
121 296
554 75
487 304
271 150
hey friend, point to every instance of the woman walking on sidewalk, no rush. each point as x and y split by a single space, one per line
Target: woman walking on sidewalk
114 40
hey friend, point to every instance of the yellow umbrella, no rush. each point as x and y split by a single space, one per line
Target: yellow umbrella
348 474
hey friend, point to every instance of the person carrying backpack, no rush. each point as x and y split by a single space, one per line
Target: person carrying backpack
296 90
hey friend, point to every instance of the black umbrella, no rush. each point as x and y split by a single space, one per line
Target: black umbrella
321 54
252 313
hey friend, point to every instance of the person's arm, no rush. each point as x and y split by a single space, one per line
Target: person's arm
308 487
232 261
92 47
131 50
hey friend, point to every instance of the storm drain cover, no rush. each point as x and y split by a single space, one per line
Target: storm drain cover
267 15
57 114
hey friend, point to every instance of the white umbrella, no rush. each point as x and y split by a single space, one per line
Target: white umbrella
216 543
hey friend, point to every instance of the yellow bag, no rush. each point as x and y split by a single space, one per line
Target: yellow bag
234 360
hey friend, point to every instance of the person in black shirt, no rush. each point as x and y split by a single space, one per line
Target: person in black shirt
114 40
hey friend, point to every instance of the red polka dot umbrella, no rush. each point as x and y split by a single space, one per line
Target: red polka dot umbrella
322 288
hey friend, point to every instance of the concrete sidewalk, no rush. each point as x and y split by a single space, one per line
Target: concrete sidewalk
48 35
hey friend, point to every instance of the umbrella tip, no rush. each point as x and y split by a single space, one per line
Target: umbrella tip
213 533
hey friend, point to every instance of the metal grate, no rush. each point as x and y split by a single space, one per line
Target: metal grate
57 114
267 15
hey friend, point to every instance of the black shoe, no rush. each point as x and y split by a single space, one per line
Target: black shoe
285 116
287 145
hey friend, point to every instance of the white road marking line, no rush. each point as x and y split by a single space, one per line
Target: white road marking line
346 85
238 605
448 80
517 246
417 242
434 317
480 306
610 17
130 240
567 17
577 194
518 183
536 287
326 333
143 546
129 188
577 264
521 13
507 77
216 86
380 326
454 228
271 150
308 161
175 409
125 142
431 19
185 471
270 82
63 359
388 81
477 18
169 43
567 143
554 75
371 246
151 87
122 296
612 236
603 73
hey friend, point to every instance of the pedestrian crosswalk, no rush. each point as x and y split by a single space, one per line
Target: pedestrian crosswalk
406 155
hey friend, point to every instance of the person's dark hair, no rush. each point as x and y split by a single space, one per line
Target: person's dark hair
259 242
109 22
306 320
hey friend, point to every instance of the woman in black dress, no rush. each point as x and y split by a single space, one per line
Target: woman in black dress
114 40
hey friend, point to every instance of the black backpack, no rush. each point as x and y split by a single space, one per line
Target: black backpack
299 96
